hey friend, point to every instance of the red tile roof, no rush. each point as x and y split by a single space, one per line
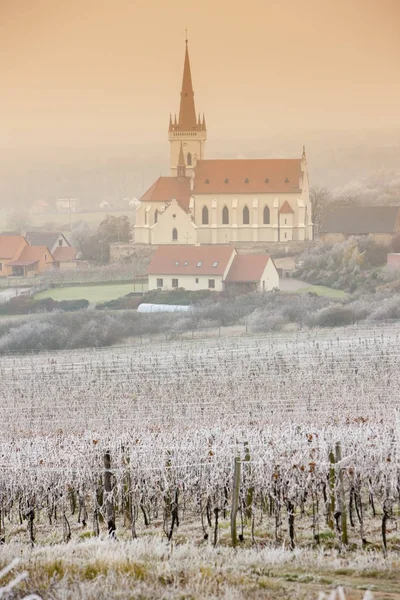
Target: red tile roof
259 176
286 209
166 188
31 255
247 267
9 245
183 260
64 253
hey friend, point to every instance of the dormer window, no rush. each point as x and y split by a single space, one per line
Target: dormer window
266 180
207 181
286 180
226 180
215 264
176 263
246 180
199 263
185 264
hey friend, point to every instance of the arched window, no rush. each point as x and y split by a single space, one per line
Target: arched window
246 216
225 216
174 235
156 217
204 215
266 216
189 159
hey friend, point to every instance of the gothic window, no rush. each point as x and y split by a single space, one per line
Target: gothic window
174 235
156 217
266 219
246 216
204 216
225 216
189 159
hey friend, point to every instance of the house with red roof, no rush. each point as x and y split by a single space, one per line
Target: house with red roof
206 201
19 259
210 267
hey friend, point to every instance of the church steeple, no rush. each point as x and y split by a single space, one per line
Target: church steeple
187 111
187 134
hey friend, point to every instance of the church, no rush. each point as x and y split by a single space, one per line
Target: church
206 201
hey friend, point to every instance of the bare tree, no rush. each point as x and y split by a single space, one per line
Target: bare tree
320 198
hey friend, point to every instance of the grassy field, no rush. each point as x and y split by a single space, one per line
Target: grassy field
321 290
94 293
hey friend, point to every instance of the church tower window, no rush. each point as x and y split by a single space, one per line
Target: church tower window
204 216
174 235
225 216
246 216
266 216
189 159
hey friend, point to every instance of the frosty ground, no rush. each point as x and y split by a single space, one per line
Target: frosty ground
173 417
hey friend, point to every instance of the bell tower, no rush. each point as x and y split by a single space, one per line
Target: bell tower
188 134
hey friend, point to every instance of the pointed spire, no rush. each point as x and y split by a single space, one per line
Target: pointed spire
204 122
170 122
187 111
175 123
304 152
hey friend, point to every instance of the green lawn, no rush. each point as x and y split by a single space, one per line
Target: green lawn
321 290
94 293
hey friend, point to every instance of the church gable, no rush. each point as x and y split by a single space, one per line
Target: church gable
166 188
174 225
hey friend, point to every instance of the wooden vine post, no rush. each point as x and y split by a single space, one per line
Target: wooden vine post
331 499
109 504
342 498
235 500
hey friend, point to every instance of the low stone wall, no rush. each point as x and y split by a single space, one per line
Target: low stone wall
17 282
130 250
274 249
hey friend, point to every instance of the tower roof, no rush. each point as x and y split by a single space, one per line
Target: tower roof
187 111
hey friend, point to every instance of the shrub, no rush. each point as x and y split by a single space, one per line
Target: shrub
335 315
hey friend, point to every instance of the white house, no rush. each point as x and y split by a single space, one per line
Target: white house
210 267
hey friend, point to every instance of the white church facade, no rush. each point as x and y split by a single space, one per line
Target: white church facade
207 201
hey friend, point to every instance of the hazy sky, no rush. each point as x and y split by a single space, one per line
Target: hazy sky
100 72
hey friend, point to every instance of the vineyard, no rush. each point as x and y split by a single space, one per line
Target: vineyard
285 440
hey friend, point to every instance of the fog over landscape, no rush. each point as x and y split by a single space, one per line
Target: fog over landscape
87 88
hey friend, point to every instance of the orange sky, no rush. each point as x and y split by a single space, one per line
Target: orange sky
105 72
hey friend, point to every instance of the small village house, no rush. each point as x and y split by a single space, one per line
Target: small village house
11 247
19 259
381 223
33 260
210 268
65 255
